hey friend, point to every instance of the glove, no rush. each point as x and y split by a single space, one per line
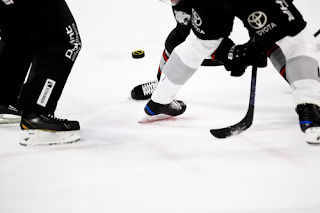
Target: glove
221 54
251 53
236 58
235 71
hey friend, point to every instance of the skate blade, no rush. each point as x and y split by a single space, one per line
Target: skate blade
131 99
313 135
149 119
48 138
9 119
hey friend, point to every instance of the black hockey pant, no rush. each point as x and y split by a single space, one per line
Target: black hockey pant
40 37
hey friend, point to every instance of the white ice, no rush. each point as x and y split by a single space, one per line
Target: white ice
175 166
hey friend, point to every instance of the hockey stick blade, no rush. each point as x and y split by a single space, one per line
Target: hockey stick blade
246 122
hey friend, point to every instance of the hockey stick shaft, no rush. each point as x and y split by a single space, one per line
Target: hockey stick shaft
246 122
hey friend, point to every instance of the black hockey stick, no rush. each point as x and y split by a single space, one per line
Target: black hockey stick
246 122
317 33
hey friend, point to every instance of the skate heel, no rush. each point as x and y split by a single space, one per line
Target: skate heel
9 114
309 122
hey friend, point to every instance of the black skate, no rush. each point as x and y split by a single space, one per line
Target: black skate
9 114
144 91
48 130
309 116
156 111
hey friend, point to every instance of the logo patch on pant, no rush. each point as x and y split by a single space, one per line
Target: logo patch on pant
46 92
75 42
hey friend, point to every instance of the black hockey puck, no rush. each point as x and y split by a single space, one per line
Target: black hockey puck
138 54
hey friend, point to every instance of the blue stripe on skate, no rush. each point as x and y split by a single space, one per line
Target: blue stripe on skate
152 113
305 122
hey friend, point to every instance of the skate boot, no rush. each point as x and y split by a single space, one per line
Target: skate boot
47 130
156 111
144 91
309 116
9 114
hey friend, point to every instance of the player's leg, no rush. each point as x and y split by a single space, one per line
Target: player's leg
281 22
188 56
278 60
57 43
13 72
176 37
303 74
15 59
182 14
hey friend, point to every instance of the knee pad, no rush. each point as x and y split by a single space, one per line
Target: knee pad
301 68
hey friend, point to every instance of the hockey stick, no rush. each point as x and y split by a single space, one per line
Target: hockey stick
246 122
317 33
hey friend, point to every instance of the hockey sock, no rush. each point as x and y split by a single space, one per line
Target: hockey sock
164 58
278 60
165 91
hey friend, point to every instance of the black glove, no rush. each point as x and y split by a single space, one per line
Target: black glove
236 58
235 70
221 54
247 54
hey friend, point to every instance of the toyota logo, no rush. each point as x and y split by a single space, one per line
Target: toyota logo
257 20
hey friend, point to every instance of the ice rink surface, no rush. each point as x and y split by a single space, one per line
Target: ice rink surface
174 166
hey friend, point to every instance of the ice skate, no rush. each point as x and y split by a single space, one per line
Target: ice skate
309 116
144 91
157 111
42 130
9 114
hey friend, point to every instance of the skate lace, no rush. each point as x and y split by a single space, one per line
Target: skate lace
149 87
175 105
12 108
55 118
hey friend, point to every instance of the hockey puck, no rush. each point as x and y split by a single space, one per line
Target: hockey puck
138 54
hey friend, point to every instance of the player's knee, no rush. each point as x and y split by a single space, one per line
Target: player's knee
196 49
